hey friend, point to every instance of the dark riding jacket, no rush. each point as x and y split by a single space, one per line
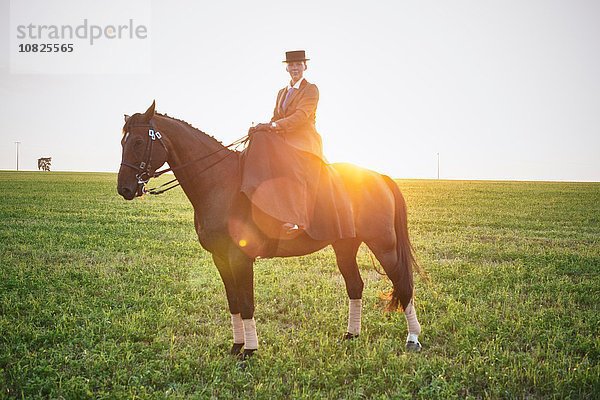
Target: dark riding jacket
297 119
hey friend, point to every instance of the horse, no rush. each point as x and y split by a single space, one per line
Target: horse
234 232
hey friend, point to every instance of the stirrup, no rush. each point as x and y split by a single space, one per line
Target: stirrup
290 228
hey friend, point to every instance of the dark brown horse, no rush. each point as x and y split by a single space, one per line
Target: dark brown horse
236 234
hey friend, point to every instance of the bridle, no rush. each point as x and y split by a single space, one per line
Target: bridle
144 170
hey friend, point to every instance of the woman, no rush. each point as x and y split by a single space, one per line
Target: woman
285 174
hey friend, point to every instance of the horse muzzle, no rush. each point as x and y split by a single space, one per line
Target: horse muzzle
129 193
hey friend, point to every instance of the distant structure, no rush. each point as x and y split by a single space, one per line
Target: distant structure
44 163
17 144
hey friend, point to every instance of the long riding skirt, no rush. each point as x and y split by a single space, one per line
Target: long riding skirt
295 186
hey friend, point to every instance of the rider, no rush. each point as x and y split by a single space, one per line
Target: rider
285 174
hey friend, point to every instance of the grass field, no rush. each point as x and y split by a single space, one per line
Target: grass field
102 298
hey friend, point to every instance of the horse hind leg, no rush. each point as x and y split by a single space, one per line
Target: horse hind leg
414 328
386 253
345 252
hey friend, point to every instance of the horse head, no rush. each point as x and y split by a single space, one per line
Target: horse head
141 156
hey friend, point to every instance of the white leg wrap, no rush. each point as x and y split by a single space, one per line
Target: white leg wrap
414 328
238 328
250 337
354 314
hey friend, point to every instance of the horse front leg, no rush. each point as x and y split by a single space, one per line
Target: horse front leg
243 274
231 292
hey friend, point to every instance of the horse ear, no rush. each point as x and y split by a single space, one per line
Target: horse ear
126 117
150 111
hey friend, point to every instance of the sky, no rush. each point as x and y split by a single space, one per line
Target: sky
506 90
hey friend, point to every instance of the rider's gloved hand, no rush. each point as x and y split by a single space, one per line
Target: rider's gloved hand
263 127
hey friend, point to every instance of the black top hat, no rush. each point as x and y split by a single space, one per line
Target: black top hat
296 55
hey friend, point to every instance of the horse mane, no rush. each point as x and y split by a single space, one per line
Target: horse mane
194 129
199 133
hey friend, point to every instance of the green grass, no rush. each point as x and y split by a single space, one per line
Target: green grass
102 298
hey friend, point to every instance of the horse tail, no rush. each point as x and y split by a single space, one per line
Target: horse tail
402 292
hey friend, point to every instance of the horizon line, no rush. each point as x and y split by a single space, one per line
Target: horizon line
395 178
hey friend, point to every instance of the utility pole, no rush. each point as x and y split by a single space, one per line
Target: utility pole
17 143
438 156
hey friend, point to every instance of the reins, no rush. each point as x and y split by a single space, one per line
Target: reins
159 189
143 169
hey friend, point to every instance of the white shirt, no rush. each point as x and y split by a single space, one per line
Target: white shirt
296 85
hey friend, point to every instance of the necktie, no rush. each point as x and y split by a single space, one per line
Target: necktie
287 96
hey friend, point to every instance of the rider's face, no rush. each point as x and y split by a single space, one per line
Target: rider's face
296 70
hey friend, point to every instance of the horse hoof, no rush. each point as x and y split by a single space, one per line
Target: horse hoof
413 347
246 354
236 349
349 336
